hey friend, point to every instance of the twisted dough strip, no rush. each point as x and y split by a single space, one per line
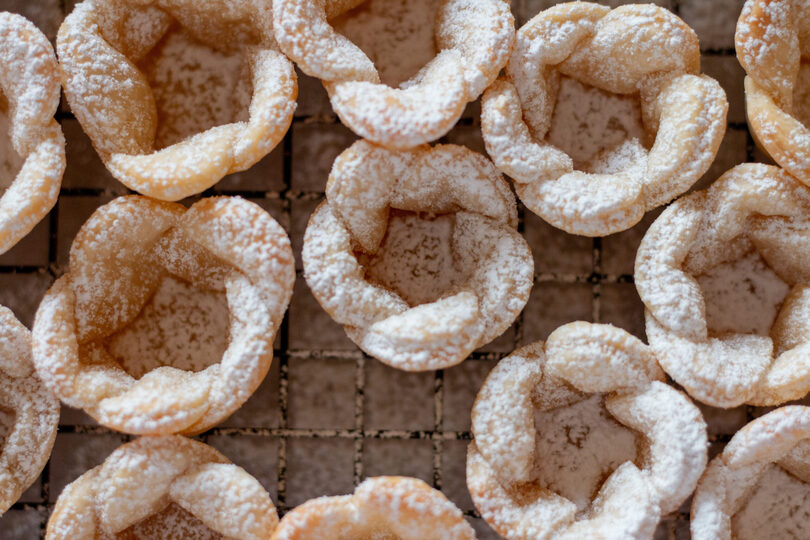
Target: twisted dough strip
582 358
632 49
100 43
366 181
29 82
780 438
750 207
117 262
404 508
27 446
152 474
474 40
771 40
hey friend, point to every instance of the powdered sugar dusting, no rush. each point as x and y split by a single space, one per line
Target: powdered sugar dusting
397 35
179 327
578 447
778 508
195 87
743 296
587 120
415 259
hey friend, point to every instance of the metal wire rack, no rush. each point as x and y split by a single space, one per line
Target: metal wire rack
285 195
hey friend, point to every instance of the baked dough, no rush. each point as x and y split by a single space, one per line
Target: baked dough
381 507
174 94
473 40
581 371
32 158
756 210
773 44
409 323
29 413
164 487
105 342
634 50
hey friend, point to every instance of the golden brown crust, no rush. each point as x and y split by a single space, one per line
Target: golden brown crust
143 478
751 207
580 358
632 49
117 261
102 48
29 82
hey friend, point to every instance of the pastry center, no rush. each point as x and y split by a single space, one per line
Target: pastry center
597 128
171 522
415 258
180 326
10 160
7 418
375 535
578 447
743 296
195 86
801 94
397 35
778 508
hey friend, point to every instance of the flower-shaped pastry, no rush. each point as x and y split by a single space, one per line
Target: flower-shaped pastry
165 321
381 507
32 154
164 487
468 43
29 413
549 462
724 275
757 487
174 94
636 50
417 254
773 46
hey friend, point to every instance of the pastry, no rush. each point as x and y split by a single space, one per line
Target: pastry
174 94
596 182
581 438
724 274
773 44
165 321
416 253
381 507
29 413
437 56
164 487
758 486
32 152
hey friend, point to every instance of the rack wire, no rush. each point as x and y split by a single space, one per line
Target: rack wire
359 434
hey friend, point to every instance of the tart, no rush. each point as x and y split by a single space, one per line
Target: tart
174 95
165 320
632 76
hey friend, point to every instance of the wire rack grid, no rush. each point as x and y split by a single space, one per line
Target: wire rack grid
328 415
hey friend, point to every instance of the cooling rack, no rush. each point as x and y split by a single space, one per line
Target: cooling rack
327 415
